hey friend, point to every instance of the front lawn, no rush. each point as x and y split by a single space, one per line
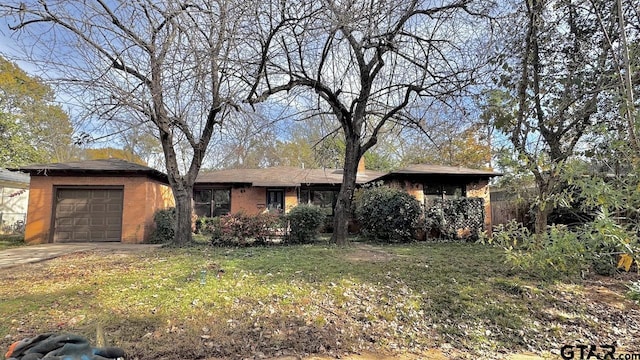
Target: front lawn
208 302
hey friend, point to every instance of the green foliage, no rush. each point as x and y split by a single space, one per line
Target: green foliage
379 160
15 149
634 291
165 222
461 218
206 225
305 222
240 229
564 253
508 235
10 241
32 128
612 202
388 214
560 255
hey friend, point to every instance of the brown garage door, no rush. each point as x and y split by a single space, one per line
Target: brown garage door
88 215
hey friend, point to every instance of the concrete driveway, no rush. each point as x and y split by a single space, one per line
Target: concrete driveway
37 253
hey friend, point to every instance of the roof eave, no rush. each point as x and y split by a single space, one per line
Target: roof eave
152 174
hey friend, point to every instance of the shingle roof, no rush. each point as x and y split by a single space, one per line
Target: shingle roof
281 176
15 178
112 167
425 169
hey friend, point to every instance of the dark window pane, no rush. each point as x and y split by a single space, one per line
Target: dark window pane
453 191
202 196
222 202
326 199
202 210
323 198
432 189
212 202
202 202
275 200
304 197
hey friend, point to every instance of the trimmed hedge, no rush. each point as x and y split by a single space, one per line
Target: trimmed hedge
388 214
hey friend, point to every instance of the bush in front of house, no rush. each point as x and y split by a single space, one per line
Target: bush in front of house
206 225
165 224
240 229
388 214
305 222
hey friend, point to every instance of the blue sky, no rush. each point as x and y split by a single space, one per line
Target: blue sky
10 49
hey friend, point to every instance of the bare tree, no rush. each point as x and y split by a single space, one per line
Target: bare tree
171 64
368 63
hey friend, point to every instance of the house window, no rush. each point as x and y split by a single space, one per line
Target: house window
325 199
439 191
212 202
275 200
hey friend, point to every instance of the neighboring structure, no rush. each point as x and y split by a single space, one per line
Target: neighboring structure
95 200
114 200
14 198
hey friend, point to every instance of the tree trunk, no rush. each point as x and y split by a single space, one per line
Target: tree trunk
342 211
544 208
542 216
182 196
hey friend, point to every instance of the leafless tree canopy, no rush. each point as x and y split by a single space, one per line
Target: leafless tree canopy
174 66
182 67
369 63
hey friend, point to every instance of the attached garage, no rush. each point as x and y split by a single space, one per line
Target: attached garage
86 214
94 201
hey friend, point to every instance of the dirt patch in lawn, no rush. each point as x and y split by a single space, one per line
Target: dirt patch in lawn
367 252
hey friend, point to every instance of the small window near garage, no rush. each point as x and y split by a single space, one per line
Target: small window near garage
212 202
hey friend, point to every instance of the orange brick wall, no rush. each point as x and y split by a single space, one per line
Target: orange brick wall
159 196
253 200
290 199
414 189
142 197
250 200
